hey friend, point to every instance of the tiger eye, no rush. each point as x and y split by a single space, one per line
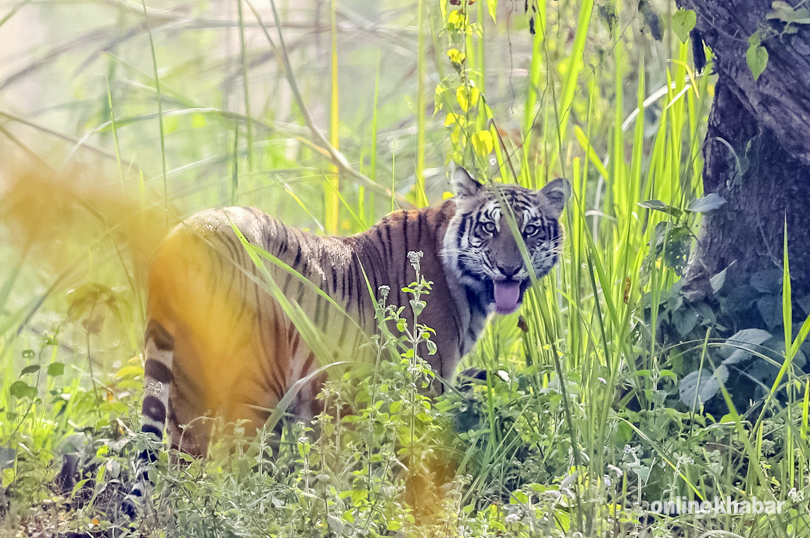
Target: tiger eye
489 227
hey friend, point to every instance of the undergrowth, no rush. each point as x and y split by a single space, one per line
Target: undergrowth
490 457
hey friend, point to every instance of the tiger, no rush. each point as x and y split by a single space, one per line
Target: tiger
218 343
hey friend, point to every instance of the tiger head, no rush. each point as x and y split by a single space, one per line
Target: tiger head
484 252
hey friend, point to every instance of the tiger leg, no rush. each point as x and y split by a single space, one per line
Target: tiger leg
258 378
157 380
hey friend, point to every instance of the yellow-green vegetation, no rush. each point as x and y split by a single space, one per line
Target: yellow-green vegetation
608 392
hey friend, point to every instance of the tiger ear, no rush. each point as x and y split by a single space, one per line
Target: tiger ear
464 184
556 193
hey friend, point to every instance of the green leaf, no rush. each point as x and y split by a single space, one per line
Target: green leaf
21 389
738 347
741 299
701 385
31 368
757 56
683 21
768 281
438 98
684 320
492 9
28 354
132 369
770 308
678 246
782 11
710 202
431 346
518 497
718 281
79 485
482 143
658 205
417 306
56 369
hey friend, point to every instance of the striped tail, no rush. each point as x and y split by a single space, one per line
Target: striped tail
157 381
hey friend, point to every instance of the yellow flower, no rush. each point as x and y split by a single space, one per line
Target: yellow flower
455 19
456 56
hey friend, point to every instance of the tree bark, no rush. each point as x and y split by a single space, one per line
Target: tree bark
757 148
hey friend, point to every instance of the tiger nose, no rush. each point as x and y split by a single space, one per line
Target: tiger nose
510 270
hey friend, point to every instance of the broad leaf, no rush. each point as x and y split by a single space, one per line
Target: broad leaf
770 308
738 347
492 9
658 205
482 143
710 202
678 246
769 281
786 13
31 368
21 389
756 56
684 320
683 21
718 280
699 386
775 348
741 299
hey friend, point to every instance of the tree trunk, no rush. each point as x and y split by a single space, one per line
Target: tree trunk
757 148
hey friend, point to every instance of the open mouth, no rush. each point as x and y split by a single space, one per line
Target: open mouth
507 295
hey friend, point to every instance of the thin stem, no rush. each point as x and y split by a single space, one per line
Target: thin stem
160 113
92 374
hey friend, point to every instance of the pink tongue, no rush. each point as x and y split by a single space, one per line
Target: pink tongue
507 295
